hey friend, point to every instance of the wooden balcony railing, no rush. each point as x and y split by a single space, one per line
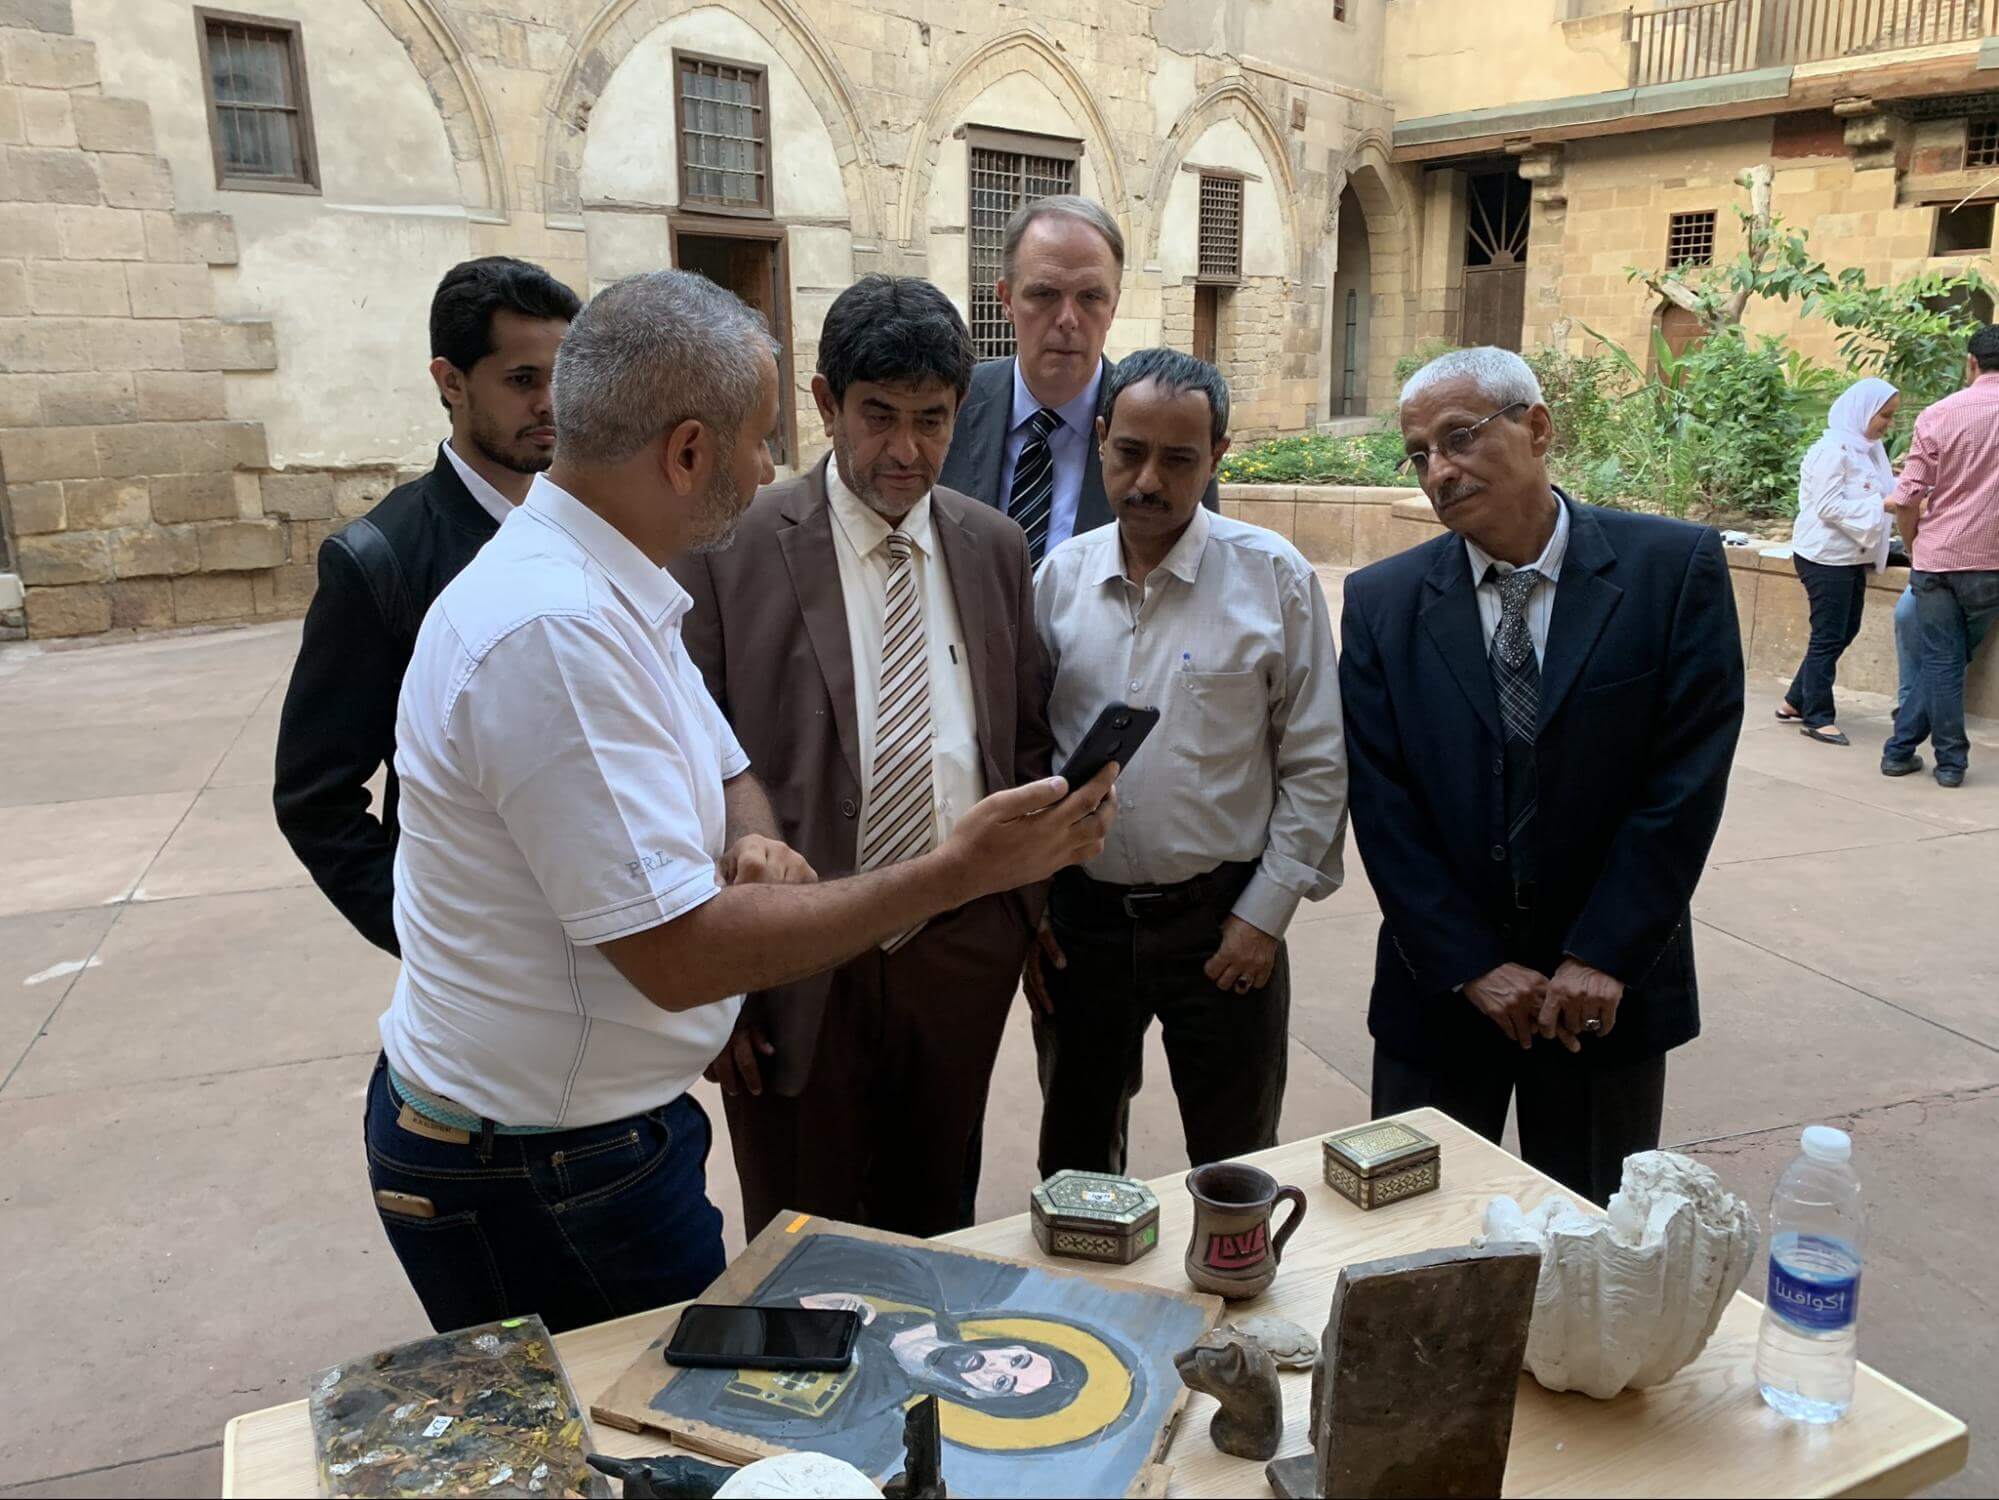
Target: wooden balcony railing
1737 36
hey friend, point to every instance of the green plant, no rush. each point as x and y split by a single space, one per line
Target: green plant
1911 334
1369 458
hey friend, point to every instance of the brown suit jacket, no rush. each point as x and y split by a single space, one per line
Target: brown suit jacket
769 632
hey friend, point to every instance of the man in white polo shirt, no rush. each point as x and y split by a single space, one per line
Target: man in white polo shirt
588 876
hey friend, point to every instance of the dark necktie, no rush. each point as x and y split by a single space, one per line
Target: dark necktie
1516 676
1033 499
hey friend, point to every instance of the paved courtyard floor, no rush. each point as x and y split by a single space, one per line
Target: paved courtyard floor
186 1029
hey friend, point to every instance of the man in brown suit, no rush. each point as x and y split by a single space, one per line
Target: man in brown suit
871 639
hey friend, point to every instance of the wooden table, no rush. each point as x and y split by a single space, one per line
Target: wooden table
1704 1433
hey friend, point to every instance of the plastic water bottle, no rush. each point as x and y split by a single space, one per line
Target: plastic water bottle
1806 1355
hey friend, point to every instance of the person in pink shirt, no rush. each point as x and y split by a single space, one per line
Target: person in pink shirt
1947 506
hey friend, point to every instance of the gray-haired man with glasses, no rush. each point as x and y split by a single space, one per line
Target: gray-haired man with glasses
1541 712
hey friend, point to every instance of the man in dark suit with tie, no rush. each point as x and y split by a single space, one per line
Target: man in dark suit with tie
1541 709
870 636
1026 436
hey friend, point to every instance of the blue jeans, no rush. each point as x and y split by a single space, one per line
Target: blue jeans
1951 613
577 1225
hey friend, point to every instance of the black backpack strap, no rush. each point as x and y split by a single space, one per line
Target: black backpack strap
383 570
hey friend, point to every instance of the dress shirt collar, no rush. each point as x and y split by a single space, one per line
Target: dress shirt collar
867 528
495 504
1183 561
1078 415
1548 564
651 590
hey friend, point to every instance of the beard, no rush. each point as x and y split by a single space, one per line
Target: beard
717 515
515 453
868 494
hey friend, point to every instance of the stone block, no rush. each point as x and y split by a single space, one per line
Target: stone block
170 291
46 119
155 552
235 546
36 508
299 497
77 288
20 401
43 60
48 453
292 587
202 597
139 448
142 604
81 609
127 345
102 504
357 494
13 289
63 557
1275 515
91 232
1323 530
39 174
193 497
136 181
181 396
13 129
209 238
114 125
11 595
26 230
245 344
1783 625
206 446
38 15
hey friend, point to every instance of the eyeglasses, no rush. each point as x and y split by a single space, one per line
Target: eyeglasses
1457 443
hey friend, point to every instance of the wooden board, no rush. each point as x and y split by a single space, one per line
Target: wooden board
1105 1350
1704 1433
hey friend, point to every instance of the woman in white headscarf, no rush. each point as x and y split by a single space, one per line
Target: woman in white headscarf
1841 535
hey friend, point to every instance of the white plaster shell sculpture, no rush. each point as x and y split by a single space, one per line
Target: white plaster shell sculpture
1630 1298
1284 1341
798 1476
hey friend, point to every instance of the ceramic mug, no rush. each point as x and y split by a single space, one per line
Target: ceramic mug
1233 1252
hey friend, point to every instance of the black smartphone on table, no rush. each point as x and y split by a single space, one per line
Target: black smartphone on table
713 1336
1116 736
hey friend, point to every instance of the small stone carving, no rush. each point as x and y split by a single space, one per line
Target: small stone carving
1630 1298
1239 1374
922 1476
798 1476
674 1478
1284 1341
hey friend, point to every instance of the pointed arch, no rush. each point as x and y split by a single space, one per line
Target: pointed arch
1368 168
1230 99
606 42
439 58
1020 49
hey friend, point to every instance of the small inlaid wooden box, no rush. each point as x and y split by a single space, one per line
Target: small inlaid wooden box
1381 1162
1095 1216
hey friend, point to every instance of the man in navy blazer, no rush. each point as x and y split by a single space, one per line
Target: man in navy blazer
1542 708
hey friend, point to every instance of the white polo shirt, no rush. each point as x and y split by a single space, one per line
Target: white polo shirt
561 766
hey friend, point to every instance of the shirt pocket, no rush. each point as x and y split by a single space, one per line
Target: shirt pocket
1222 723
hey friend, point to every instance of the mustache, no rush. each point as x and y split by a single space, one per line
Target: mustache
1462 490
1148 501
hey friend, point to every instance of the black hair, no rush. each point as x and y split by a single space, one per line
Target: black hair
1984 348
1067 1377
1175 372
462 308
892 329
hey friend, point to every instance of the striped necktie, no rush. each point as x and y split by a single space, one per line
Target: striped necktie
898 824
1516 677
1033 500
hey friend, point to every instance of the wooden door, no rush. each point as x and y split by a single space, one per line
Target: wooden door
1497 210
1495 306
749 261
1207 313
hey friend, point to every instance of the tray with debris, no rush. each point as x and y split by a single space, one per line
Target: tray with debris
486 1410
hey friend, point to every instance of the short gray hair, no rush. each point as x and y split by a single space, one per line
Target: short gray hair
1501 376
1066 206
650 352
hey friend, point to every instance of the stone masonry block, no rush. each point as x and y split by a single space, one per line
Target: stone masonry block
193 497
66 557
44 344
154 344
83 609
42 60
13 130
236 546
38 174
13 289
357 494
77 288
38 15
25 229
136 181
229 345
103 504
170 291
87 398
207 446
36 508
213 596
142 604
120 125
177 396
142 448
88 232
46 119
155 552
299 497
20 401
48 453
209 238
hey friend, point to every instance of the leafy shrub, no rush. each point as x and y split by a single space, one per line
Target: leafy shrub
1369 458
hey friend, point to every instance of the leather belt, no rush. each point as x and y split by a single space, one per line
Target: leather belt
1158 903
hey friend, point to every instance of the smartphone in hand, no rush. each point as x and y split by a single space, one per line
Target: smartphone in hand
1119 731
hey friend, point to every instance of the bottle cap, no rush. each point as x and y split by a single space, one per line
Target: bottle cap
1823 1143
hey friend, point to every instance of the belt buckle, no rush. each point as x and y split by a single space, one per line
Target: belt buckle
1134 901
1523 895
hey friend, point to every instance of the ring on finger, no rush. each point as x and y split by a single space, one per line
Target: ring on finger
1593 1025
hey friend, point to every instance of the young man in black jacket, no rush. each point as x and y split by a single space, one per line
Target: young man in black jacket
495 324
